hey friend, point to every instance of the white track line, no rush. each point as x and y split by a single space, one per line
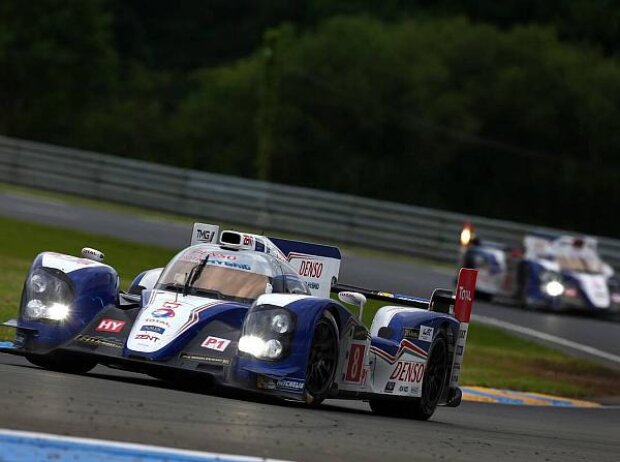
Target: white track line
546 337
135 450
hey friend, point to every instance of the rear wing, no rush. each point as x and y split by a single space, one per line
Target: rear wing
317 264
442 300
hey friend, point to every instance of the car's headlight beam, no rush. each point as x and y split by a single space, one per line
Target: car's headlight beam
47 296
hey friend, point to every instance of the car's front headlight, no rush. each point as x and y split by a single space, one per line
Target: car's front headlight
267 331
48 294
551 283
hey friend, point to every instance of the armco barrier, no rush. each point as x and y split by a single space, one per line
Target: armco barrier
325 215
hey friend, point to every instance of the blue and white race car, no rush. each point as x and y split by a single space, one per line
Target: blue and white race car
248 312
550 271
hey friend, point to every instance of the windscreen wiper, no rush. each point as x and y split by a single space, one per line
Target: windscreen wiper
194 274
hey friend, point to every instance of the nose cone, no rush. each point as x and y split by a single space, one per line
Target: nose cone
167 317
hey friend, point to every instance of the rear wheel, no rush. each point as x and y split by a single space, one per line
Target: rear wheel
72 364
322 360
435 377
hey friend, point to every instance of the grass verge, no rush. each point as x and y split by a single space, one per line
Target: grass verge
493 358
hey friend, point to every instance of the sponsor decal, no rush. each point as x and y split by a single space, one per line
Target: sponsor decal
215 343
156 329
97 341
110 325
206 359
290 385
426 333
411 333
265 383
163 313
313 285
408 372
157 321
222 256
365 373
389 387
356 363
248 240
205 235
311 269
150 338
406 347
459 350
571 292
230 264
464 294
171 305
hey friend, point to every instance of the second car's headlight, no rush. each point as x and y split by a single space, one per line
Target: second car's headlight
551 283
48 295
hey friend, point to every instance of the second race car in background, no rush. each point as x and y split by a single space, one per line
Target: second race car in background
549 271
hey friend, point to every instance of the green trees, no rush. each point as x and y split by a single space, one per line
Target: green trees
510 111
444 112
56 60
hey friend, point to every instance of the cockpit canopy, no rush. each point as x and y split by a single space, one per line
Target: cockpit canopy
211 271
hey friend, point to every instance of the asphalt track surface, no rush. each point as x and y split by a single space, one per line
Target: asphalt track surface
120 406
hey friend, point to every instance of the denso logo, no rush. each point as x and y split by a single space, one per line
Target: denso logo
222 256
408 372
464 294
312 269
110 325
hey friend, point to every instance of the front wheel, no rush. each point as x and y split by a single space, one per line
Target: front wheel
322 360
72 364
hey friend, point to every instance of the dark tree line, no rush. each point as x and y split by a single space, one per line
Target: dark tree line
505 109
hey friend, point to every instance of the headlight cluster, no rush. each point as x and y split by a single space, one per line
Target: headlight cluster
551 284
48 294
267 332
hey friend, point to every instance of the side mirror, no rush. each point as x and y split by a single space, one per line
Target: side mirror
353 298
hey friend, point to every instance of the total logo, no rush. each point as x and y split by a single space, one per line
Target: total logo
464 294
163 313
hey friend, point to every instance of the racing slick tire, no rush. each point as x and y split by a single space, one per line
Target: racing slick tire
71 364
435 377
322 360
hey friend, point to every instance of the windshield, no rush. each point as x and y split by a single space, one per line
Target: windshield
580 263
222 276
